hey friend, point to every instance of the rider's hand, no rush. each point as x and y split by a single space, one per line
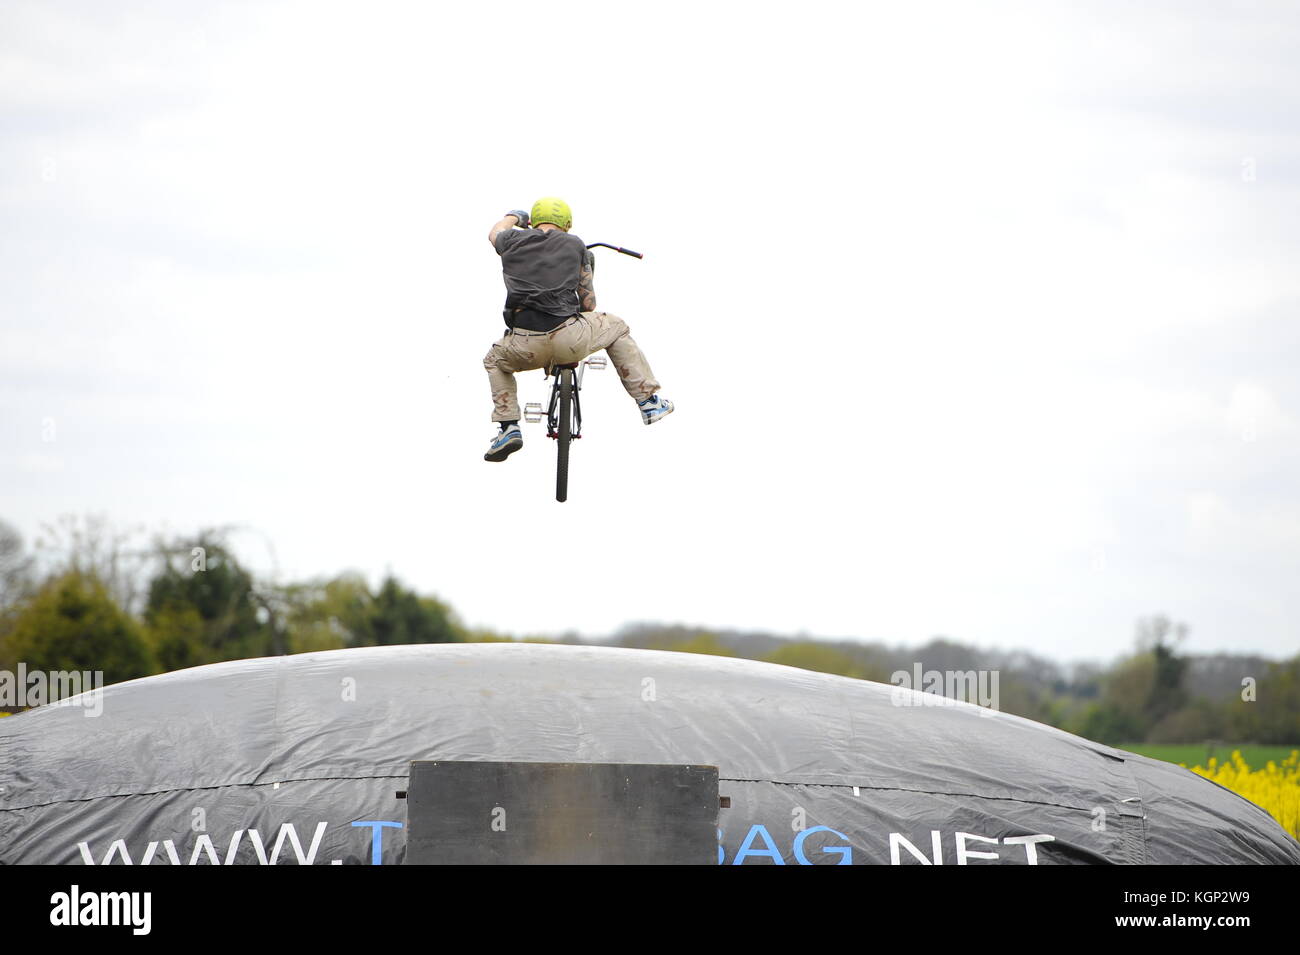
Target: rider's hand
521 216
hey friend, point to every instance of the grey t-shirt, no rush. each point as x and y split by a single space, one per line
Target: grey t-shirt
541 268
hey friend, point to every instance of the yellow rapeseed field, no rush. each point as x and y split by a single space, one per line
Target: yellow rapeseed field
1275 789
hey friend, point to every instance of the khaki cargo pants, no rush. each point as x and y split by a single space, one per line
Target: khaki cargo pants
577 338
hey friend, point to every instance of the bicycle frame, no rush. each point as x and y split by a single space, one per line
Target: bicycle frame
553 412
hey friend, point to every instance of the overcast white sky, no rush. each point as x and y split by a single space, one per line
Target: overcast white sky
981 319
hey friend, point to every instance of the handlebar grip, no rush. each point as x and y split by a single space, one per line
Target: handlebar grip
606 245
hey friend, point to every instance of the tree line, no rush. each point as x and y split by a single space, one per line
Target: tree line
87 598
95 604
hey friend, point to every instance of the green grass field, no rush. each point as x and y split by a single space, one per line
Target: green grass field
1198 754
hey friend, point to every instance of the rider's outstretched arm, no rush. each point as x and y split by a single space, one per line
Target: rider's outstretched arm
508 222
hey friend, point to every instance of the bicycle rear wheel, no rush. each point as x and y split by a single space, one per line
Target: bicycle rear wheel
566 434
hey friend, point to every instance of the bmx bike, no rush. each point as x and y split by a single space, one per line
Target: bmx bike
564 413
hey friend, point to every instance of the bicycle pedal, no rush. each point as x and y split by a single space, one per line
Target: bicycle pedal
533 411
598 362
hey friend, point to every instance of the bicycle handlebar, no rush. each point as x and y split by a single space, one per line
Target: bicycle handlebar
635 255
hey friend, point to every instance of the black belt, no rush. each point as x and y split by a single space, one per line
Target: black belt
564 322
529 320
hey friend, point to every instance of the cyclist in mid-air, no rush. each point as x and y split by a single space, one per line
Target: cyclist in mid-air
551 313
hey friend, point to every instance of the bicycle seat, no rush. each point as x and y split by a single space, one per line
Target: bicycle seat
569 364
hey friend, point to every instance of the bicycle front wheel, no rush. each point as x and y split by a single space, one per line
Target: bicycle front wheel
566 434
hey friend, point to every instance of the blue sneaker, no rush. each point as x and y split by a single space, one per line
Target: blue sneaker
506 443
654 408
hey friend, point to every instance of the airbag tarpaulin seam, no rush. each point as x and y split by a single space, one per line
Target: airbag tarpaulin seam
922 792
399 776
276 735
1135 837
199 789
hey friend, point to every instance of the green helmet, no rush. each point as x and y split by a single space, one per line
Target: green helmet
552 210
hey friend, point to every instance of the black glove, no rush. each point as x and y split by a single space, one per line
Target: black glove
521 216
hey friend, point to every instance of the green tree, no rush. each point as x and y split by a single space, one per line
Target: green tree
201 579
177 637
1159 636
1120 716
1271 713
1110 724
328 615
343 612
72 623
401 616
1143 691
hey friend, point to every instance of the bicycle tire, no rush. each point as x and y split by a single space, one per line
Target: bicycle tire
566 434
